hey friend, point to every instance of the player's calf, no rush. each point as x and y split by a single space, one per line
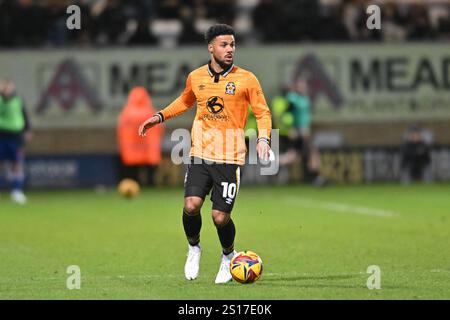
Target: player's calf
192 224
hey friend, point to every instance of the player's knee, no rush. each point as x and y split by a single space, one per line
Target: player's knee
220 218
192 206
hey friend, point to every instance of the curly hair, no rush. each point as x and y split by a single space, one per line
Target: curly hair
218 30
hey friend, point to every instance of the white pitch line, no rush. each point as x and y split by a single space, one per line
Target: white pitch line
440 271
340 207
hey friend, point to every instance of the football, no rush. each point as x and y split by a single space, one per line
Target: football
246 267
128 188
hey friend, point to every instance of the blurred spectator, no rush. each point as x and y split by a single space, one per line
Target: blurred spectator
268 20
188 17
282 117
301 20
330 26
441 20
139 156
57 32
14 132
7 32
25 23
110 23
419 24
142 35
29 23
392 27
415 156
169 9
223 11
300 134
352 14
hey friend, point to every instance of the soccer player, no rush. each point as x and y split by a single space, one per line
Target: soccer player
14 130
223 92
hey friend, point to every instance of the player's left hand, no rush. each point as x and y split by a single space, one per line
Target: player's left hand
150 122
263 148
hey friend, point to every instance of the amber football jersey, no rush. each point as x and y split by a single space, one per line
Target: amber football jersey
222 109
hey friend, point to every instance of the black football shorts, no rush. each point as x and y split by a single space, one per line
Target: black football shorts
222 178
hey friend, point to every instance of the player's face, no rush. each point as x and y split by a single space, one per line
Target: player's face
301 86
222 49
8 88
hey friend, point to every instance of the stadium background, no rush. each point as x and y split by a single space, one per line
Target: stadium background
369 87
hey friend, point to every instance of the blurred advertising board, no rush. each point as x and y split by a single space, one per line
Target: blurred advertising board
339 166
376 82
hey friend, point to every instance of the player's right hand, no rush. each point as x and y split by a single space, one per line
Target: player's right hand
147 124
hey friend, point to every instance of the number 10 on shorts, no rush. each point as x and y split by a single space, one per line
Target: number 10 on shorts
229 190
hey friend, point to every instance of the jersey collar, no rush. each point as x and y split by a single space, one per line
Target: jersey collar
216 75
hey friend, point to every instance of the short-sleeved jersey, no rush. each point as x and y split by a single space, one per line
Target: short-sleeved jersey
222 109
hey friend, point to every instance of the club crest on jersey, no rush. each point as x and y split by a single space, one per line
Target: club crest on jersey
230 88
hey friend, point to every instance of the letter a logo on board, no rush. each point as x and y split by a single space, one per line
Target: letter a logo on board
318 81
67 86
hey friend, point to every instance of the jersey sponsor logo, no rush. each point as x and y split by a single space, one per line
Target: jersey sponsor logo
216 117
201 87
215 104
230 88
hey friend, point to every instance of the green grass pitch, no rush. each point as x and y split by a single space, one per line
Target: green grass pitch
315 244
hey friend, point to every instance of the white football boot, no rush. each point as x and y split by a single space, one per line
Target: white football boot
224 274
192 266
18 196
